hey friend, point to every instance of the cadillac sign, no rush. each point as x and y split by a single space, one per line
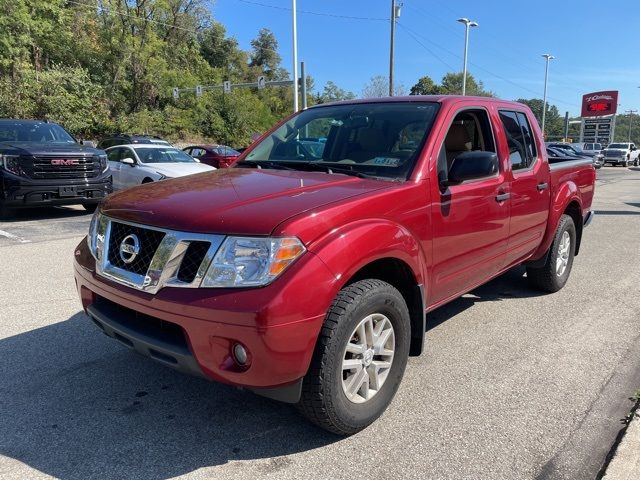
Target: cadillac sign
598 104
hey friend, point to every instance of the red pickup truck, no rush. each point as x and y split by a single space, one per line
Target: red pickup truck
305 273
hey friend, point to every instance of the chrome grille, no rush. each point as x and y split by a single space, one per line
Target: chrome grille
149 243
164 257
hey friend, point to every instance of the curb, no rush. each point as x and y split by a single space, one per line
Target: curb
625 464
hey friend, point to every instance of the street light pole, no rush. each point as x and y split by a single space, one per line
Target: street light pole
295 56
630 112
546 78
395 14
467 24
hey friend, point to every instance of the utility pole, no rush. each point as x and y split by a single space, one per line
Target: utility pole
566 126
303 86
467 24
395 14
630 112
548 57
295 56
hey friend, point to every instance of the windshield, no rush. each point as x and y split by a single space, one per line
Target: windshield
226 151
163 155
380 140
33 132
619 145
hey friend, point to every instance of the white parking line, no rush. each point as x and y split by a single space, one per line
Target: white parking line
13 237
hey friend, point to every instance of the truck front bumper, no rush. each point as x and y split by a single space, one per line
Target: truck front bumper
23 192
195 330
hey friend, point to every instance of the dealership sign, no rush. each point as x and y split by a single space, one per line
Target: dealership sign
597 104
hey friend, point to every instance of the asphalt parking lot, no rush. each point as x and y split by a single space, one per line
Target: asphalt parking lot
513 383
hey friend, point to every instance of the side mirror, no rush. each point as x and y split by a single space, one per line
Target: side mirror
129 161
472 165
634 148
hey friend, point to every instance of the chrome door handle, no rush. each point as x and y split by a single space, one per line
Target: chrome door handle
542 186
502 197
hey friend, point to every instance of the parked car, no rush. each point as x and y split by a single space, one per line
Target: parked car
621 154
219 156
145 163
128 139
590 147
306 276
41 164
557 153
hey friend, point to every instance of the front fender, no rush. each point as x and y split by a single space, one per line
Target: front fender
347 249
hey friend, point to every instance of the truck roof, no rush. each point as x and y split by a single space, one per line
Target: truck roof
423 98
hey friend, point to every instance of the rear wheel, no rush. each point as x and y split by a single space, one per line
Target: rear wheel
554 274
359 359
5 213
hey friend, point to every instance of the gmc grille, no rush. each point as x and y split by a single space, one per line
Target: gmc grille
53 167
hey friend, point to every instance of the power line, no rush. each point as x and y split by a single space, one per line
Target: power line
319 14
482 68
425 47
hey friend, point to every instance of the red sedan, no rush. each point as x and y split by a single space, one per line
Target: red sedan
219 156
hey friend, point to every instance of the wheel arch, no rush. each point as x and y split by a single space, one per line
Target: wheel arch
384 250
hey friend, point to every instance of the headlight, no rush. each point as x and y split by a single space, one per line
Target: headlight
251 262
11 163
104 164
95 239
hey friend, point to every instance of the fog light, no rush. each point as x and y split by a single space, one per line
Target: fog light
240 354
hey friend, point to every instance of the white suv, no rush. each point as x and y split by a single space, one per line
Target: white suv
143 163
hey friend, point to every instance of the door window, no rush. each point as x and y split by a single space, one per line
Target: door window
114 154
469 131
522 148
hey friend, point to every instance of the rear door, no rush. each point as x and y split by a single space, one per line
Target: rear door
470 220
530 189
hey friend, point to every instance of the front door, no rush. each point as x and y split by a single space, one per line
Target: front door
470 220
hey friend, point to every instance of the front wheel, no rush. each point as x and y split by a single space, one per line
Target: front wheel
359 359
555 272
90 207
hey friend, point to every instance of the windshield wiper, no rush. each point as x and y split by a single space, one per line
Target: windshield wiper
260 164
331 169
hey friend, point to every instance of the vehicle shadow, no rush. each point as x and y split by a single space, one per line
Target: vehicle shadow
44 213
511 284
76 405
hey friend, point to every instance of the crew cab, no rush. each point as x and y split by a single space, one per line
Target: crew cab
43 165
621 154
307 275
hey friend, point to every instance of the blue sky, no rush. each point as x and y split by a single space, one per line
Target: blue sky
505 50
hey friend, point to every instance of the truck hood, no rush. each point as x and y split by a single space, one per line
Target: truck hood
177 169
234 201
42 148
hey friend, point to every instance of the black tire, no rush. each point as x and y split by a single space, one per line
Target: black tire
625 164
90 207
635 162
323 399
5 213
546 277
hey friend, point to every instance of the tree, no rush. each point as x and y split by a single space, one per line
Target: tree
425 86
222 52
452 85
378 86
333 93
554 123
265 54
